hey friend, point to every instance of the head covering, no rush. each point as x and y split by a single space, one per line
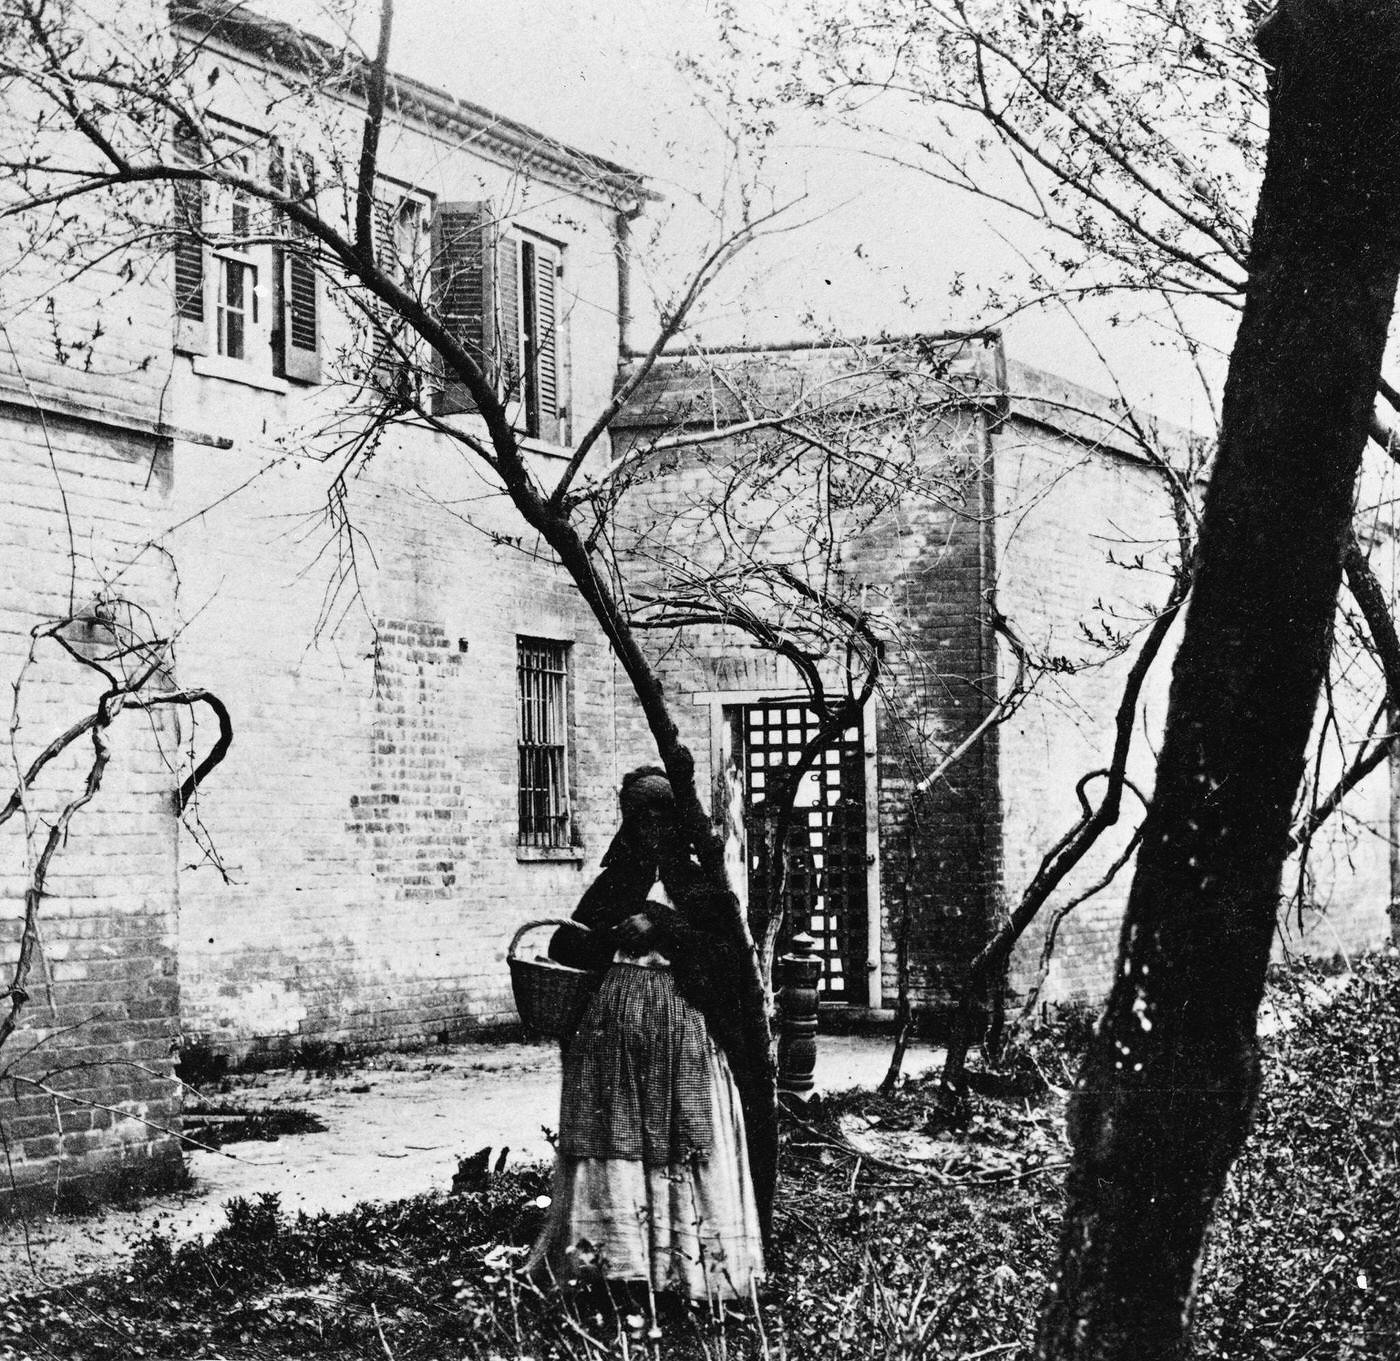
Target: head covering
643 790
646 789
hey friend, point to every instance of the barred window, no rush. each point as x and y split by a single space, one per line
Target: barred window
542 684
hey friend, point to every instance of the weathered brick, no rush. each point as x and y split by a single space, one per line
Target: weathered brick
1041 521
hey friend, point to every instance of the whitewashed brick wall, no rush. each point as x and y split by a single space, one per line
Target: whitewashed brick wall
1076 510
366 815
101 1024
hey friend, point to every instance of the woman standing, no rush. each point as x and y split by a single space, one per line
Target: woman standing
652 1181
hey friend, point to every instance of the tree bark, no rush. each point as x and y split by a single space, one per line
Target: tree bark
755 1070
1164 1099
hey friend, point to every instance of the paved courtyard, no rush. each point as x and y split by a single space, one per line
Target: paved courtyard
395 1126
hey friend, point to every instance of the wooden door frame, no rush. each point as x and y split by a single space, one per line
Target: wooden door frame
716 702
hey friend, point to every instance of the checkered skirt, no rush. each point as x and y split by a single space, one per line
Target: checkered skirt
636 1075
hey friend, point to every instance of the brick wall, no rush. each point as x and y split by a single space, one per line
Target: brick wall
1075 517
101 1022
351 873
1052 507
1085 538
85 479
939 853
915 564
366 815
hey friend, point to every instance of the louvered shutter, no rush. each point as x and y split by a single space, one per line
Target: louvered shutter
463 289
301 319
296 329
563 358
191 323
385 255
385 324
382 225
508 323
547 343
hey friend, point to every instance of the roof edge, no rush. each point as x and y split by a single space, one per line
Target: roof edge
1068 408
964 367
990 335
1013 391
281 44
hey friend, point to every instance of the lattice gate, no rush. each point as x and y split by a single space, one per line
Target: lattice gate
826 887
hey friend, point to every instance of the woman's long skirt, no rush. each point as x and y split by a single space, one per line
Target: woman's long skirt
652 1180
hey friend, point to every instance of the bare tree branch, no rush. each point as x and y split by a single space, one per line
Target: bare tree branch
671 325
369 148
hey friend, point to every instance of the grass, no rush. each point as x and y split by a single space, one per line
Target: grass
1306 1258
214 1125
880 1257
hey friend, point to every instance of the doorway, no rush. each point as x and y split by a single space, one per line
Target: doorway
825 894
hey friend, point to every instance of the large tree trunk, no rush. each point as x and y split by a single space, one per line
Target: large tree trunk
1164 1099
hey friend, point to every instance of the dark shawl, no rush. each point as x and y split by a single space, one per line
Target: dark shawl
696 934
620 891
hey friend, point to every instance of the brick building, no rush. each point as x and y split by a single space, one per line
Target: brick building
1017 489
425 721
428 728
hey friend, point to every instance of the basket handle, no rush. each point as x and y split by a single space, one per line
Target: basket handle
530 926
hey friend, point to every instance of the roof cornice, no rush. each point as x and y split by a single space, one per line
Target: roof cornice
240 30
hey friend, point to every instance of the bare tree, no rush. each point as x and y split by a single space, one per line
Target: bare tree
1113 149
1152 1149
116 147
109 643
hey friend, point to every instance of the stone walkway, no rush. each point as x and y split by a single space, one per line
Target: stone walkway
395 1126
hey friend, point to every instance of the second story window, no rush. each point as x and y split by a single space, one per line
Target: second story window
237 317
245 306
500 294
240 266
409 240
542 691
237 313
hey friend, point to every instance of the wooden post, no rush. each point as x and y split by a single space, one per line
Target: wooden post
797 1002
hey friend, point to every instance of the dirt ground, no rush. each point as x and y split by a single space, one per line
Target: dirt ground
395 1126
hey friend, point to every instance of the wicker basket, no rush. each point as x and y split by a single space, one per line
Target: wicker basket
550 997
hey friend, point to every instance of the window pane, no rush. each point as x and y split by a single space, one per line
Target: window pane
234 281
408 240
